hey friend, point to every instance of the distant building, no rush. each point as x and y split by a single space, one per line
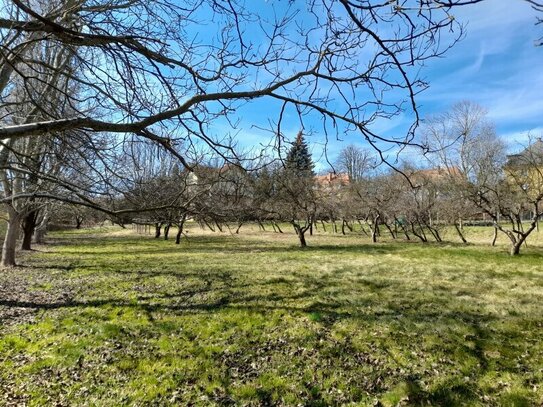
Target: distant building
525 170
531 156
332 180
435 174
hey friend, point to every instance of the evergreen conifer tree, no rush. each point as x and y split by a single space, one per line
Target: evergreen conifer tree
295 198
299 159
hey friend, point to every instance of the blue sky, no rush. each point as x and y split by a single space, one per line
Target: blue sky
496 65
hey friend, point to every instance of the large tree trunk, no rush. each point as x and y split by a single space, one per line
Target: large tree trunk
522 237
301 237
29 226
515 248
10 241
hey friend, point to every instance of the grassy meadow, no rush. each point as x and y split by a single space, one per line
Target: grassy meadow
106 317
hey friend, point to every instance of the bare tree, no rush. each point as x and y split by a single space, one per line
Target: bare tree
504 189
145 68
148 73
355 162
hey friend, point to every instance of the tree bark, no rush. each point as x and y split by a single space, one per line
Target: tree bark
301 237
167 230
10 241
29 226
515 248
158 230
375 229
180 229
300 232
495 237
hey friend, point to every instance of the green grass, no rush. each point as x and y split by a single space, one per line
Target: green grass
108 317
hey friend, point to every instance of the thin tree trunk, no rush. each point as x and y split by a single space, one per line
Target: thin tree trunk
390 230
180 229
422 231
375 229
41 228
277 226
435 233
10 240
459 231
397 222
167 230
158 229
209 226
495 237
362 227
421 235
515 249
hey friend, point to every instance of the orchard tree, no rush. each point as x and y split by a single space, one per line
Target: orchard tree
503 188
148 69
297 188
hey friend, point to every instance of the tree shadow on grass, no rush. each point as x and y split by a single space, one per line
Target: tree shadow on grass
215 247
379 302
327 313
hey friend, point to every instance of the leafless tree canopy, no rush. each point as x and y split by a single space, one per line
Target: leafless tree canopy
169 72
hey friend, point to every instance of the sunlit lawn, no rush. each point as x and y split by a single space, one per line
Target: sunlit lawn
113 318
